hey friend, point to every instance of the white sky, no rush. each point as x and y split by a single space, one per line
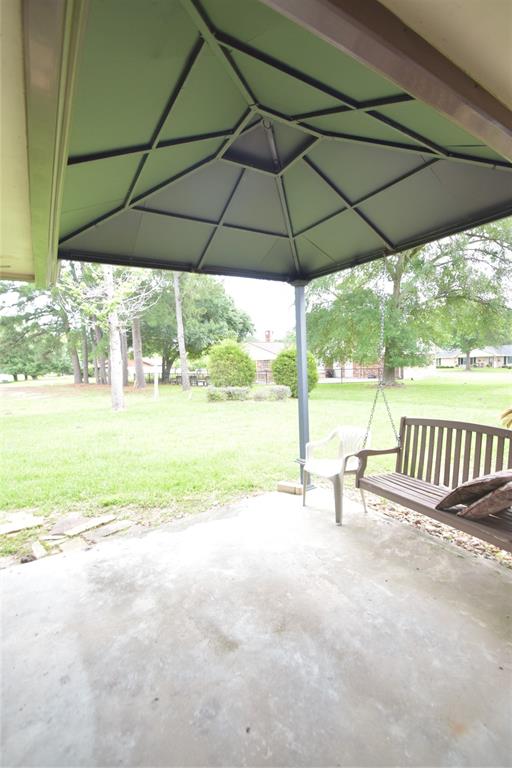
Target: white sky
269 304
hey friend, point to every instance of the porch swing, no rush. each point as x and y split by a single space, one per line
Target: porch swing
432 457
350 439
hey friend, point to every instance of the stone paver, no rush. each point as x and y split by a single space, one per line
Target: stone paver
38 550
66 523
107 530
88 523
74 525
73 545
20 523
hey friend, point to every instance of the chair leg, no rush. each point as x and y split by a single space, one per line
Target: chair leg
337 482
363 500
305 481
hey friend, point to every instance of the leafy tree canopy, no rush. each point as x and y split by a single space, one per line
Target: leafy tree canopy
452 293
209 316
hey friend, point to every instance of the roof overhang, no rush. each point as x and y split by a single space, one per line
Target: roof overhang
275 138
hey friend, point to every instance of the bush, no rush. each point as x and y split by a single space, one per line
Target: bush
275 392
230 366
216 394
284 370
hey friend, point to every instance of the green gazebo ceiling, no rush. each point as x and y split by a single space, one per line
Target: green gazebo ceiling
224 138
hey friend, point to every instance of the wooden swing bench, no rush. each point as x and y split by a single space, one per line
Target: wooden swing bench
434 456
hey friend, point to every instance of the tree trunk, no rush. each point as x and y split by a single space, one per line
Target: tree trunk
185 379
468 360
85 356
140 380
115 357
75 362
96 370
102 371
124 355
15 376
165 368
389 375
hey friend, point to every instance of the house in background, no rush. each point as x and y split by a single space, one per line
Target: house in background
487 357
264 353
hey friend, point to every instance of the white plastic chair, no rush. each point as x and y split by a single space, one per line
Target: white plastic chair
350 440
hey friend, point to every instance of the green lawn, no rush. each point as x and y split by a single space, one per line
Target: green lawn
62 447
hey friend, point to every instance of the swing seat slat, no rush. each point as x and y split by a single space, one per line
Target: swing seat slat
435 456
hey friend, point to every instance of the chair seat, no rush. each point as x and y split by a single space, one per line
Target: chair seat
330 467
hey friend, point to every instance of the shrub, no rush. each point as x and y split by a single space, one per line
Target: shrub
284 370
275 392
230 366
216 394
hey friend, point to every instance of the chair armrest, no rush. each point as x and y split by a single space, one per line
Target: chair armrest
363 459
317 443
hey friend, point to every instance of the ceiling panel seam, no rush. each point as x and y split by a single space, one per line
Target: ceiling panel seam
221 219
269 133
387 242
205 28
192 58
229 42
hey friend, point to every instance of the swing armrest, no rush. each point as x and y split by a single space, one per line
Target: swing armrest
363 459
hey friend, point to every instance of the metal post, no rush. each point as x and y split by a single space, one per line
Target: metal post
302 370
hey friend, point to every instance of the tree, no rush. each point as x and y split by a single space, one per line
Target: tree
180 333
140 379
469 326
284 370
114 331
27 350
425 290
209 316
229 365
110 299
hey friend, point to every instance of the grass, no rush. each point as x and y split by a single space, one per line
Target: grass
63 449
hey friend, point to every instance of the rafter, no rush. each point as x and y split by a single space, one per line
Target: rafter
368 196
237 130
230 43
248 166
285 209
323 219
348 104
206 29
140 149
295 159
362 106
122 208
221 219
211 222
387 242
125 260
187 69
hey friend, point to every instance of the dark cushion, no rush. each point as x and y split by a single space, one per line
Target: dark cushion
490 504
474 489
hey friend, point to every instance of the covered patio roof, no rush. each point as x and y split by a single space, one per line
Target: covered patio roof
270 138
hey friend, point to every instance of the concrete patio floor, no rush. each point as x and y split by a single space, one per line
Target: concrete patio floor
260 635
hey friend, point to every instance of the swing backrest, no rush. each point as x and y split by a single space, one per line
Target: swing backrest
450 452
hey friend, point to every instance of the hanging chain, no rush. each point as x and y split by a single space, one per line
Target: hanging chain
382 350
